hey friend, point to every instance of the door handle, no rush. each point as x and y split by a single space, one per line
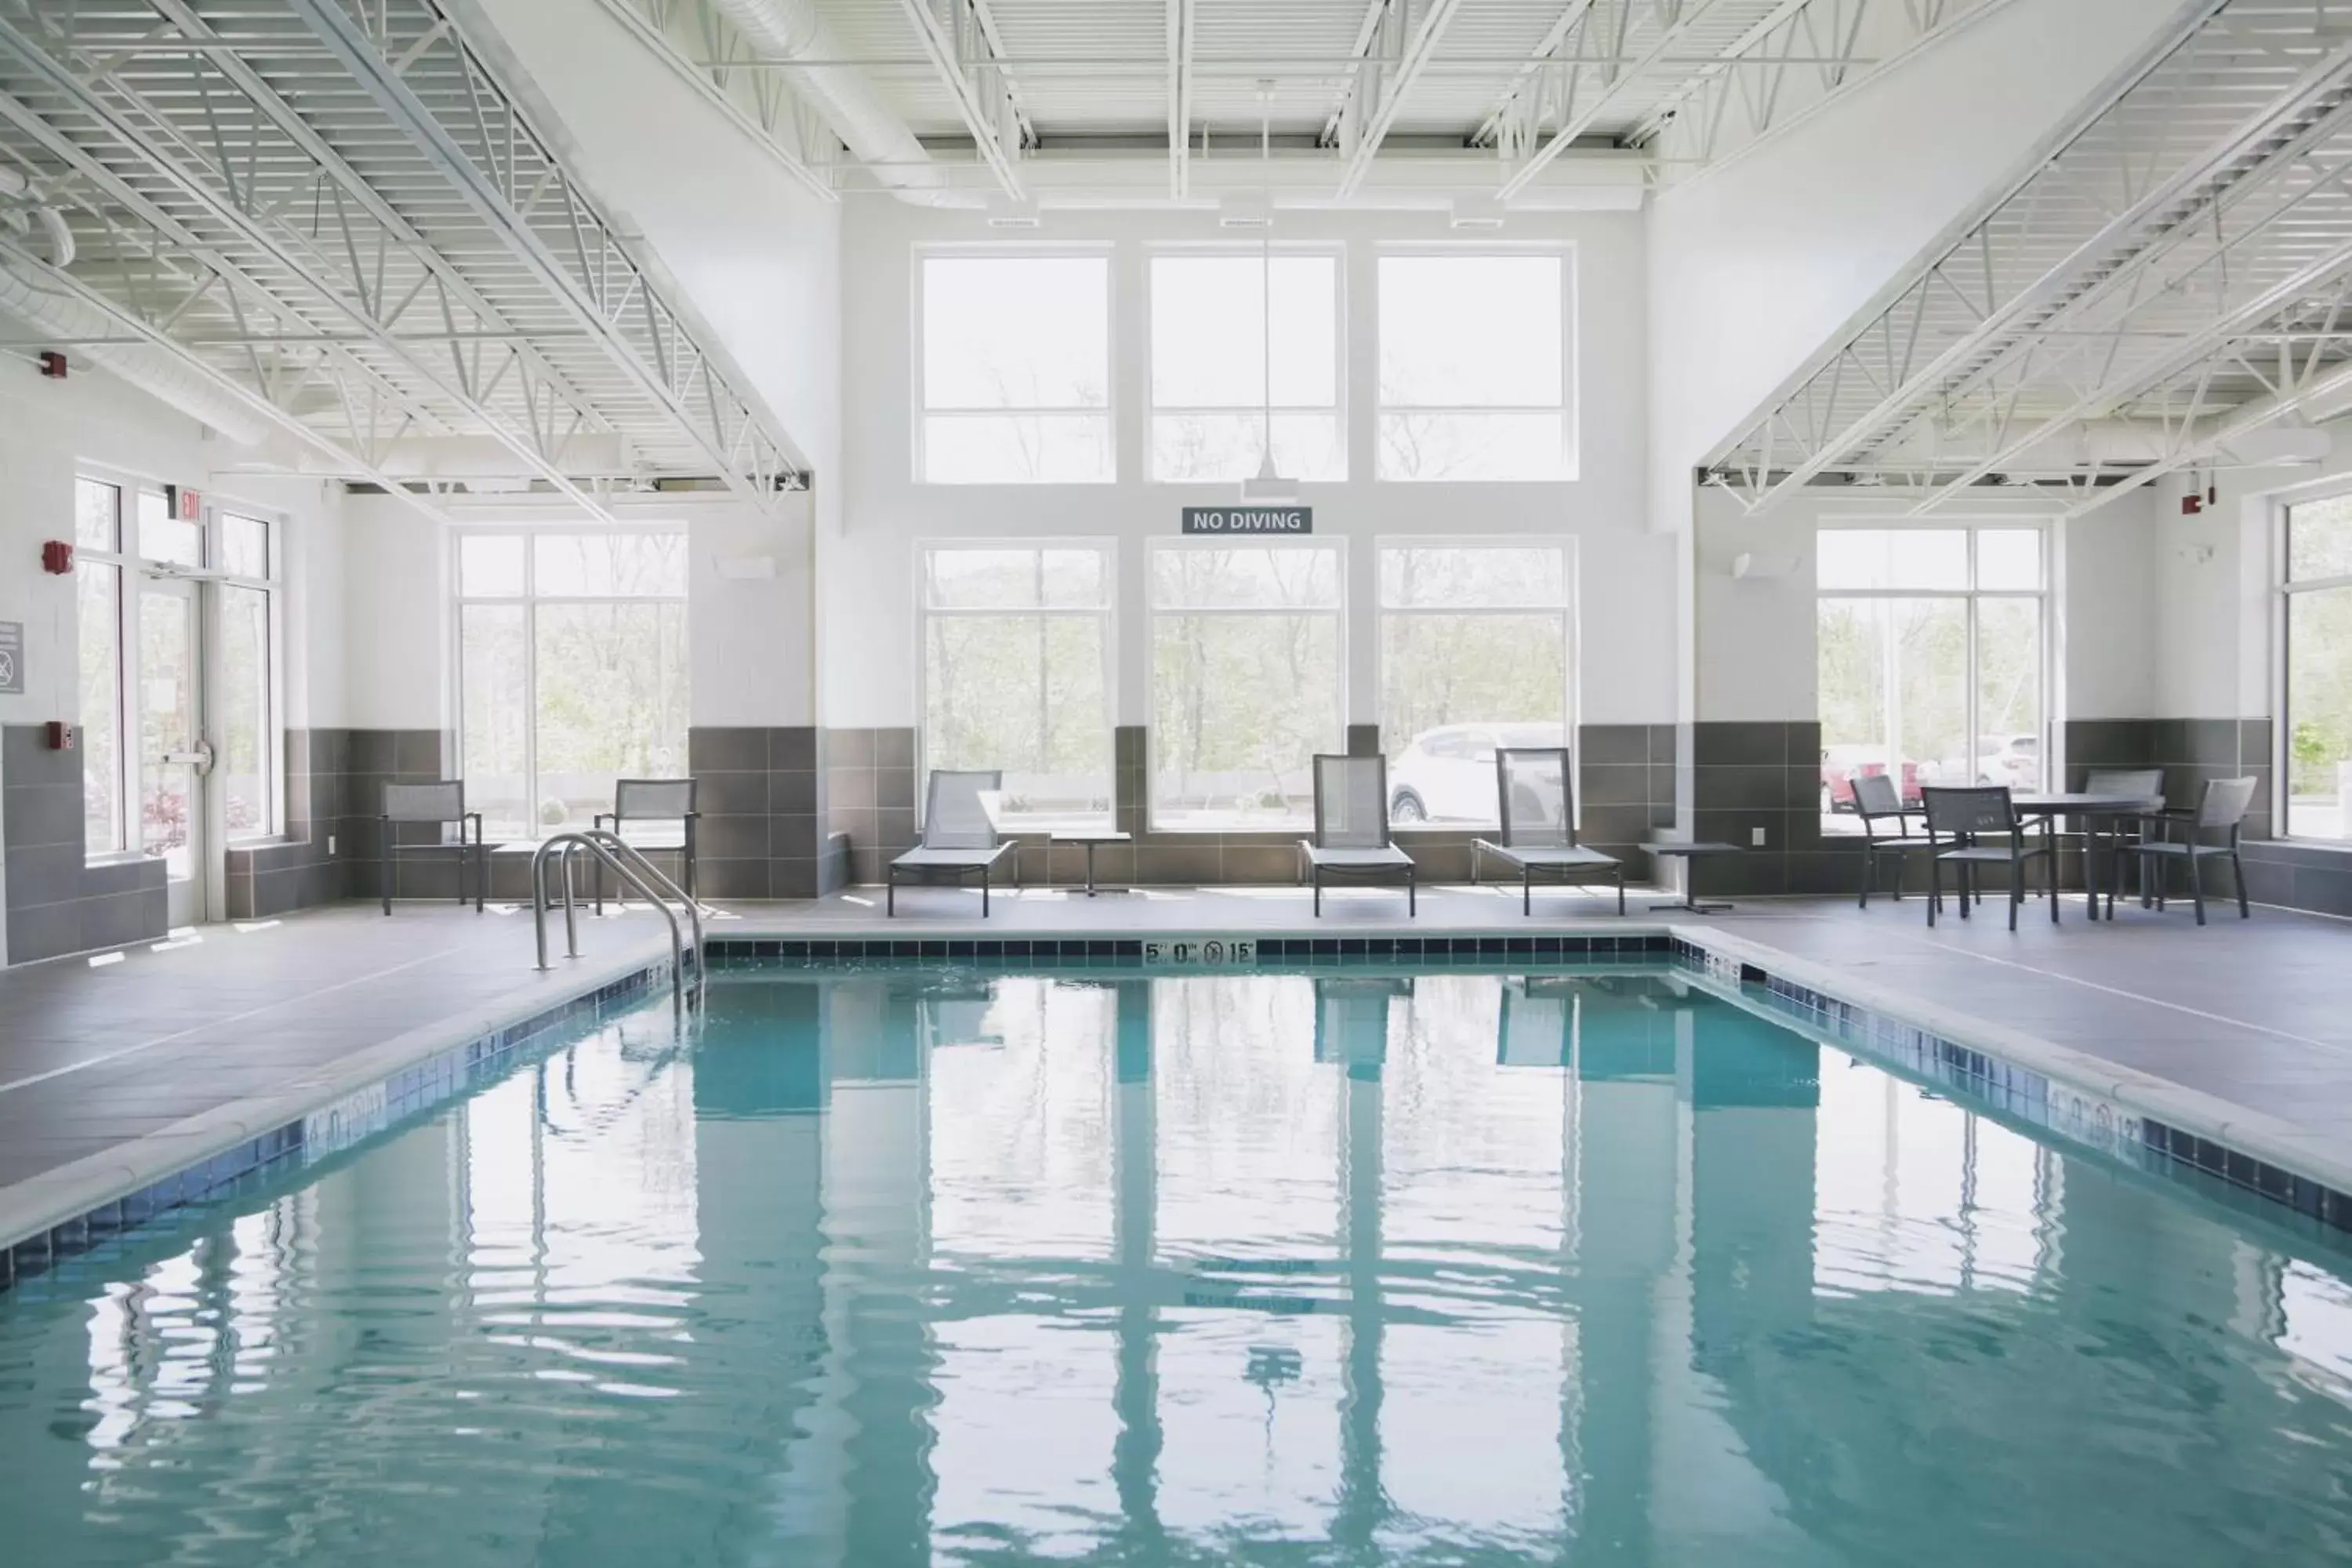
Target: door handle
199 757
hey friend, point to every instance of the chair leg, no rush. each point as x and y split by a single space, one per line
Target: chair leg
2238 878
1869 869
984 892
2197 887
890 892
1411 886
1935 890
2016 891
1621 890
1526 890
1318 892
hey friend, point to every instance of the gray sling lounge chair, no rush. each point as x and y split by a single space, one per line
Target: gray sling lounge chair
1538 832
1351 827
960 837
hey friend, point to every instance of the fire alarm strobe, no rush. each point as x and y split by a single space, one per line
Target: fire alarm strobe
57 557
60 737
53 365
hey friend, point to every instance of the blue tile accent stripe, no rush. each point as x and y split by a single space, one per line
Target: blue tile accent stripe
1272 951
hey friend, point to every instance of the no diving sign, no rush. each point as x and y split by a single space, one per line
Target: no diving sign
1249 520
12 658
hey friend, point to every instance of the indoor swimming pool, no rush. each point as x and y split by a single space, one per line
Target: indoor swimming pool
887 1265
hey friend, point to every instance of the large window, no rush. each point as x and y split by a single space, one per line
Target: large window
2316 705
1246 663
1473 655
1016 673
98 585
1473 367
1015 370
242 718
1212 342
1932 659
572 669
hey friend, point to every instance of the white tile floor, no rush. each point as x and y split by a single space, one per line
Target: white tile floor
2253 1012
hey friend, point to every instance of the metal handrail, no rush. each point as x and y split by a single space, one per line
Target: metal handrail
667 888
570 843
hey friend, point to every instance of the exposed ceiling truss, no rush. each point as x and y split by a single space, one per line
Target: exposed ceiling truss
2172 274
1010 93
330 218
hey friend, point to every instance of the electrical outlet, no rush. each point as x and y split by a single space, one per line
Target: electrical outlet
1755 837
330 844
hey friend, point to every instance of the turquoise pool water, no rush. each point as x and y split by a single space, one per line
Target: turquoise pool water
897 1268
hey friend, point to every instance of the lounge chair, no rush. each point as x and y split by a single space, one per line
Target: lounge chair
1351 827
959 836
1538 831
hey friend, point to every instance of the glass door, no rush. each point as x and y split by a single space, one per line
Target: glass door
173 757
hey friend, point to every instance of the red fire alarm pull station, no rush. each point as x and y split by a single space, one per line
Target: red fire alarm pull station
57 557
53 365
60 737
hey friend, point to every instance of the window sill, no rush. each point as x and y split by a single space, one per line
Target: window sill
119 858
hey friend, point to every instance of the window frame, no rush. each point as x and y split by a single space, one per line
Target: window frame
1104 545
1337 252
1571 409
2042 528
1565 609
918 427
1340 611
132 566
121 561
529 600
2284 588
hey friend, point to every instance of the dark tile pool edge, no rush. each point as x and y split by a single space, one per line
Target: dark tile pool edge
1184 950
346 1119
2104 1122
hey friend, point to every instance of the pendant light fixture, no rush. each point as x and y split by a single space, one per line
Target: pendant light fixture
1267 486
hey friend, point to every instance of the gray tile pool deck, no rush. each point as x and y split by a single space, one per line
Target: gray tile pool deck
2256 1015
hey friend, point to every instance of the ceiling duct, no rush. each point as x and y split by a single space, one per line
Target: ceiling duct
159 372
790 30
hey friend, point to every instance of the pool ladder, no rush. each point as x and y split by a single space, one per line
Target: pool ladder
612 853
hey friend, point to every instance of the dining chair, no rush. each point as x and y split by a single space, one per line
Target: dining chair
1968 816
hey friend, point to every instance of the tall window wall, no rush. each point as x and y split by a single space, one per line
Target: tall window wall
1247 657
1933 658
2315 707
1015 369
1017 661
572 669
1214 342
1473 655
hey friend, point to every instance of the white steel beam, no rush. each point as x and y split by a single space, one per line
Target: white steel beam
985 101
1618 67
134 330
1180 98
227 201
1363 129
1895 367
523 186
727 75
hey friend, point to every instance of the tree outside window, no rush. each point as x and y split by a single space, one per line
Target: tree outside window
2316 705
1016 674
1932 660
571 671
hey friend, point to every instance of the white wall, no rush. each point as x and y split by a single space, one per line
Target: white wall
396 614
1756 265
1627 605
1755 636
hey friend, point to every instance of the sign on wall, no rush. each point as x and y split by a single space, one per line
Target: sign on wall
12 658
1249 520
